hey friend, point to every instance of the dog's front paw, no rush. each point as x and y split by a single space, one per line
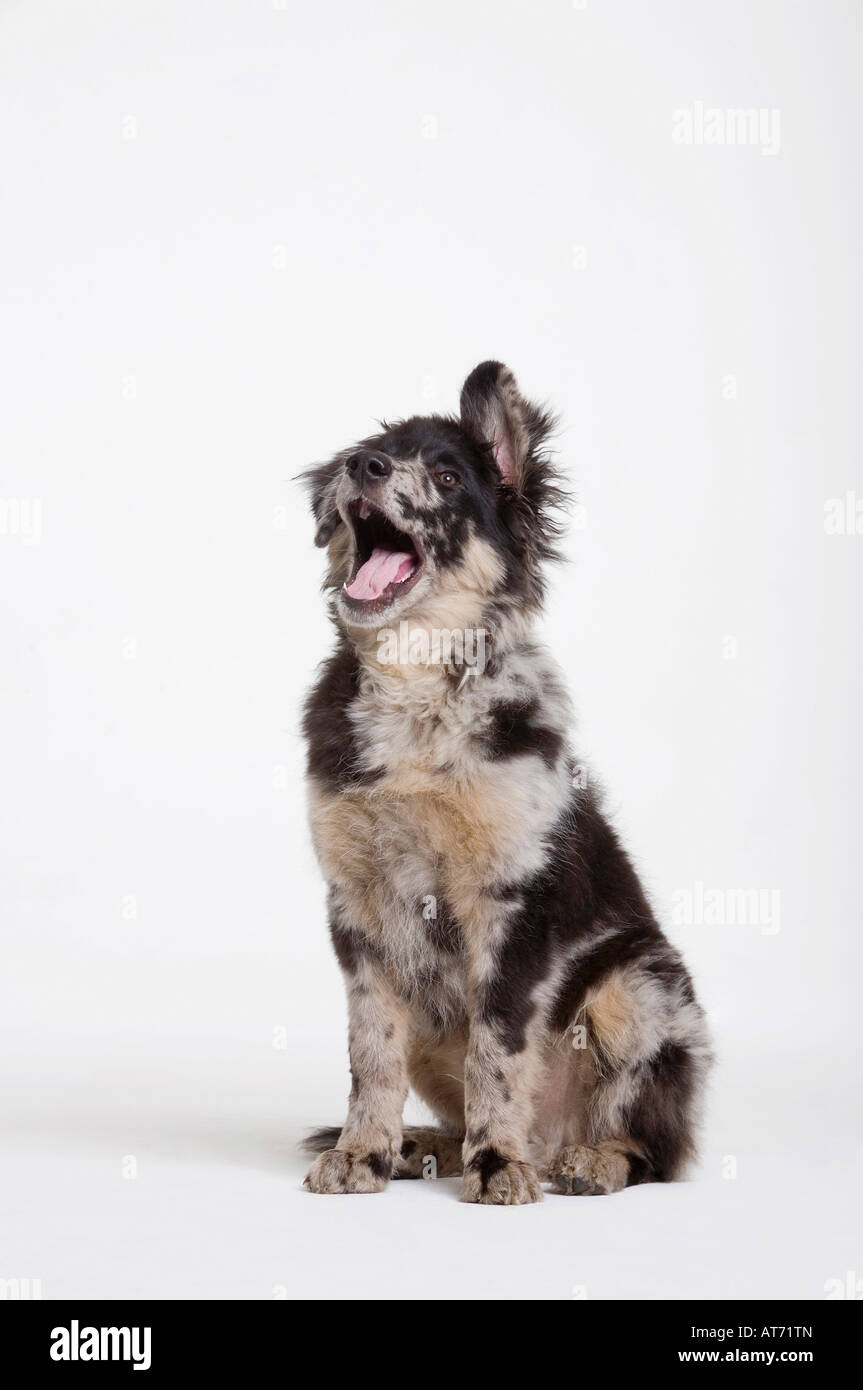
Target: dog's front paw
500 1182
337 1170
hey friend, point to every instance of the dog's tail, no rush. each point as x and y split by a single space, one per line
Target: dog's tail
317 1141
419 1146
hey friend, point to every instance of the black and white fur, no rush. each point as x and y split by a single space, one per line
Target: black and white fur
499 953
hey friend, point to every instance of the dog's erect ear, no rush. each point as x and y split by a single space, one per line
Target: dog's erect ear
494 412
497 416
322 482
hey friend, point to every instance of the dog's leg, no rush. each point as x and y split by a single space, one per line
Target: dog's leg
502 1069
651 1053
499 1087
640 1126
371 1139
429 1153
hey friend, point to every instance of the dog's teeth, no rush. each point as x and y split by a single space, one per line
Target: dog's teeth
365 510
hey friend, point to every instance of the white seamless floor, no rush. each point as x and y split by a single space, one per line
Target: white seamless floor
171 1171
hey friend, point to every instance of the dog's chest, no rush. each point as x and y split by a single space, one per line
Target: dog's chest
416 860
385 857
417 845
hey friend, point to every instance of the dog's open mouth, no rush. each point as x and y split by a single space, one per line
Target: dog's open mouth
388 562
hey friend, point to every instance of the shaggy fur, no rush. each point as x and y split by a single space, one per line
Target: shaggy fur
498 950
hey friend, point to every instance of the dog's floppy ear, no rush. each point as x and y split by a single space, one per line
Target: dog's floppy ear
495 413
322 482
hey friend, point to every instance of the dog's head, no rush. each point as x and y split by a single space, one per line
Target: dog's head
436 518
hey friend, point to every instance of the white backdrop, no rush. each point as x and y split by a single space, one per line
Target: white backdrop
234 235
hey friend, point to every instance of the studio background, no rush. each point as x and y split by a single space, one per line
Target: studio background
234 235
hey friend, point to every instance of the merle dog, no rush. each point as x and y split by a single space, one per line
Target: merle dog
499 953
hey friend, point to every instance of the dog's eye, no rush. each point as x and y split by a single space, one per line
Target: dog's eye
447 477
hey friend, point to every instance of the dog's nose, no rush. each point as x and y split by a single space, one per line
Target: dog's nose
368 467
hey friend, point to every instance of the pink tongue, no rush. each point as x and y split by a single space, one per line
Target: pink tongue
383 567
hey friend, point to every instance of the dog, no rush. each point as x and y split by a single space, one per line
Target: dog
499 953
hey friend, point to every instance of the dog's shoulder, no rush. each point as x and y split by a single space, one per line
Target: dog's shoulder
332 746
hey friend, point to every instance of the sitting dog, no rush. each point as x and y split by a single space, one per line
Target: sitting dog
498 950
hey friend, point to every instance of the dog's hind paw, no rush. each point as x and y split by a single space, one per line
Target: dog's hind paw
581 1171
